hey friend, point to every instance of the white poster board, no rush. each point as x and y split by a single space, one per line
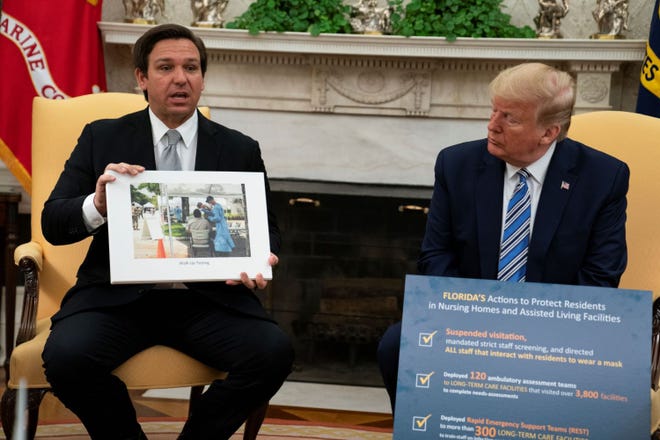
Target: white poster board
151 218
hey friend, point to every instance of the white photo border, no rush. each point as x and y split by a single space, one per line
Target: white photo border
125 268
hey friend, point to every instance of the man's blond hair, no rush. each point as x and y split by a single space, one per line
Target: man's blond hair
552 90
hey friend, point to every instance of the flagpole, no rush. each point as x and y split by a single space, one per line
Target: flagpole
648 98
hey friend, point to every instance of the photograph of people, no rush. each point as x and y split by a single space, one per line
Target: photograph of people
222 242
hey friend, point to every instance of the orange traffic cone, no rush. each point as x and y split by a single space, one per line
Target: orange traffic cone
160 253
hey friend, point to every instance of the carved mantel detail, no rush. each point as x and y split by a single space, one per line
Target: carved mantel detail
357 86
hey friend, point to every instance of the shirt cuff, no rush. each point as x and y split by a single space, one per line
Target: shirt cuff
91 216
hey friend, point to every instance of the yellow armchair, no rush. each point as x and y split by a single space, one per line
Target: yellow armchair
51 270
634 138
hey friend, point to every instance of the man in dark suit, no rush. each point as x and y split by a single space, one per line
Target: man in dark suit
578 197
100 325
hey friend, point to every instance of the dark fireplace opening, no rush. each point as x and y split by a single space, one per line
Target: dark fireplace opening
341 276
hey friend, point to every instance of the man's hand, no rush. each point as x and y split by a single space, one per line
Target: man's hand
99 194
259 282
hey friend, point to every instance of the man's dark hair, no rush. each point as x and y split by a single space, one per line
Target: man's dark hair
197 213
169 31
209 198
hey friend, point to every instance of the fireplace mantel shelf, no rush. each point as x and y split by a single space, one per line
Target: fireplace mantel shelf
400 47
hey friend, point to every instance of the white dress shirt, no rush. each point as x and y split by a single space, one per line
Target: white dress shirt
187 146
537 171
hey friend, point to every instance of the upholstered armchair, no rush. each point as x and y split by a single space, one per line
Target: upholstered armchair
50 271
635 139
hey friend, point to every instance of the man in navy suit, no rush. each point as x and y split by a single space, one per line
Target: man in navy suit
578 197
100 325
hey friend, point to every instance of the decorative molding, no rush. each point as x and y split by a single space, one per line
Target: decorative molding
594 89
256 58
371 88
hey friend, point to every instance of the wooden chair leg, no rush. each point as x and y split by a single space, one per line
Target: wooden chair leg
8 411
195 395
254 422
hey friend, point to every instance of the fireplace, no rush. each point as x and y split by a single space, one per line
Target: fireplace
341 275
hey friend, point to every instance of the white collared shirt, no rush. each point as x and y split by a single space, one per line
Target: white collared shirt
537 171
187 146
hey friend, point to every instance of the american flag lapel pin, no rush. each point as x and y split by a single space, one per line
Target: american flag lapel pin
565 185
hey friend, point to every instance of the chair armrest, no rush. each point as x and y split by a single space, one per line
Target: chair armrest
29 259
655 346
31 250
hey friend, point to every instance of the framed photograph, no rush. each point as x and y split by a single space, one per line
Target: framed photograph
177 226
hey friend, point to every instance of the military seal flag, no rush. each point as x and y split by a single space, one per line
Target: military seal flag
50 49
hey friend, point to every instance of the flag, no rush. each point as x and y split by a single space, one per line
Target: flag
648 100
51 49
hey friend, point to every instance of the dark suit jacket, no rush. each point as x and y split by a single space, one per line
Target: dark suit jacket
129 139
579 228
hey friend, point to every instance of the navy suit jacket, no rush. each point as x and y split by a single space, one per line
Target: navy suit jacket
129 139
579 229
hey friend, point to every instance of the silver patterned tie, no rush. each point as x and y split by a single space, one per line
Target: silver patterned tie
169 159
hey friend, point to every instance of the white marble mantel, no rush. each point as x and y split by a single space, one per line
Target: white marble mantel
396 46
376 109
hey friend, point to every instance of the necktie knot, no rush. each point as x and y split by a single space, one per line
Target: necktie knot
523 175
169 159
173 137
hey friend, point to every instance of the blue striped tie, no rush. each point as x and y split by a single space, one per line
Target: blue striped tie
515 240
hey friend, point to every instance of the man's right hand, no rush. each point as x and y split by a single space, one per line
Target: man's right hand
99 194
